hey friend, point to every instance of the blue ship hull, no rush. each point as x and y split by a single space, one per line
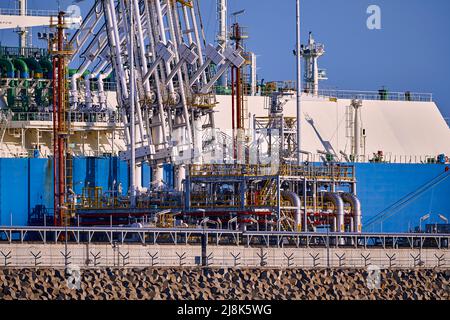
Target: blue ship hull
393 196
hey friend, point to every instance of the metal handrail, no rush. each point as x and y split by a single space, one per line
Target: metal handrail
29 12
376 95
355 94
74 116
248 238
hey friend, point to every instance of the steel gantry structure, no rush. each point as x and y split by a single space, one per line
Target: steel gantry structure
153 50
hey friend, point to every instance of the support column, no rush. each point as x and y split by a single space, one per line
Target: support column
157 176
180 175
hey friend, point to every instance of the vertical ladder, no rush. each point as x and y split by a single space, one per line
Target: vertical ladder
4 120
70 202
349 128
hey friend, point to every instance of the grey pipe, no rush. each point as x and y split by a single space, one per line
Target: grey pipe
338 203
356 209
295 200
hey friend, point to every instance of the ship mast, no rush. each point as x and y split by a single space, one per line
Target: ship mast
61 56
222 38
299 86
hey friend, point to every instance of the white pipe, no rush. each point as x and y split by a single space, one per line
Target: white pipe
142 55
199 44
180 175
316 76
121 74
129 49
132 116
87 82
222 35
158 174
164 40
295 200
158 133
118 64
180 77
253 74
338 203
101 89
188 25
356 210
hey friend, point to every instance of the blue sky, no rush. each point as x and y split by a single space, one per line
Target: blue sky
410 52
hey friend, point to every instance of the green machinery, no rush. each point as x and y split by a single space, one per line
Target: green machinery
25 79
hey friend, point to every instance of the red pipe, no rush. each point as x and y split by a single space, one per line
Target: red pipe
55 146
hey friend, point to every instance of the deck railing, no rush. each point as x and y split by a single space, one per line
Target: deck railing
375 95
29 12
347 94
103 117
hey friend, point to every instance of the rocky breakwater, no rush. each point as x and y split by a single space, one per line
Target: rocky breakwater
223 283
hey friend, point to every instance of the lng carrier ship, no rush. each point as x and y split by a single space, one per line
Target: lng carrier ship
128 117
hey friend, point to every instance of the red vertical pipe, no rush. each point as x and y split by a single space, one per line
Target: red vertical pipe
233 125
61 111
55 145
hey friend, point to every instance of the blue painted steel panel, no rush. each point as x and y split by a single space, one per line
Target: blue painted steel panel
146 175
25 183
382 185
14 191
168 175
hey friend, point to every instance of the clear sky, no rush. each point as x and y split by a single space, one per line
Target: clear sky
410 52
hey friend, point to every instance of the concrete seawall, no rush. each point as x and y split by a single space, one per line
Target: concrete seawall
20 255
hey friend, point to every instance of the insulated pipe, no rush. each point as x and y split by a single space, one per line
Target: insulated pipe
117 61
338 203
47 67
133 183
199 44
159 133
116 42
140 36
87 82
187 24
180 76
179 33
34 65
86 63
356 210
295 200
162 32
101 87
131 62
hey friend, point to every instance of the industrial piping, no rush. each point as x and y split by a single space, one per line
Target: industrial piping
356 210
295 200
338 203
